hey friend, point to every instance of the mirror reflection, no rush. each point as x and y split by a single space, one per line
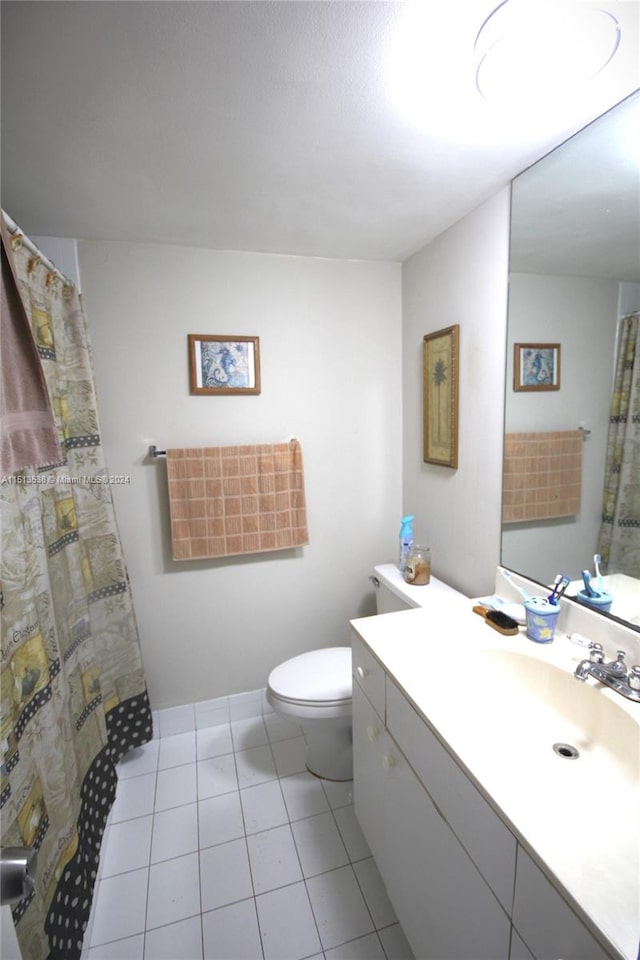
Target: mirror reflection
572 452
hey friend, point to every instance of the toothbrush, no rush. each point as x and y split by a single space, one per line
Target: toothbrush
588 589
523 593
597 560
561 583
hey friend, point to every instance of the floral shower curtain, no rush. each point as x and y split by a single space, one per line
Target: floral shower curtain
72 686
619 543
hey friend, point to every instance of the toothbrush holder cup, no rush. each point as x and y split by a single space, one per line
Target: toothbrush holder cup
602 601
541 619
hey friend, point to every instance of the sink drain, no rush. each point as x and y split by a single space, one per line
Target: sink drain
566 751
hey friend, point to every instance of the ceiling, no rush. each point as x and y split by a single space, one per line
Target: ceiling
267 126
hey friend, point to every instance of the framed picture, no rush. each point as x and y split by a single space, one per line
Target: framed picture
440 373
223 364
536 366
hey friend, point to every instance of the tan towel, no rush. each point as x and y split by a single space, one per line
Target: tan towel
226 501
29 435
542 475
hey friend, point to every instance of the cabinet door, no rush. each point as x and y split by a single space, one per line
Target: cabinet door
444 905
562 934
369 740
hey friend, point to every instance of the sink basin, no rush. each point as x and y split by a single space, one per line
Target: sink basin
538 703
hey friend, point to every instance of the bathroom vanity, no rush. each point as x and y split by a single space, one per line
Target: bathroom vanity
492 845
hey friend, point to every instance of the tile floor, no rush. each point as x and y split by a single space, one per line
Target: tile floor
221 846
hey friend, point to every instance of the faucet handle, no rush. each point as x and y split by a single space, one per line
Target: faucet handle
634 677
596 652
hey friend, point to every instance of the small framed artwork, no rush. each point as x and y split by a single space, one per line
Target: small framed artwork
536 366
440 384
223 364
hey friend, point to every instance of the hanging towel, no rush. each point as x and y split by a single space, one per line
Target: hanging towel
226 501
29 434
542 475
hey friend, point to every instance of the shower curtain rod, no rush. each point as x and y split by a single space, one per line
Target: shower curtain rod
15 231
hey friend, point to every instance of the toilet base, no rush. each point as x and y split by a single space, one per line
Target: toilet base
329 751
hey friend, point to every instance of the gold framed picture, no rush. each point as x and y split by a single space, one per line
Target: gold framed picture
223 364
536 366
440 383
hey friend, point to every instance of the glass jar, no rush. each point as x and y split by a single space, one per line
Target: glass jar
418 568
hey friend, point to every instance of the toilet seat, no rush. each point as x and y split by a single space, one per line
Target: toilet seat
320 678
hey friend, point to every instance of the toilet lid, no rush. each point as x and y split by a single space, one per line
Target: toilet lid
321 675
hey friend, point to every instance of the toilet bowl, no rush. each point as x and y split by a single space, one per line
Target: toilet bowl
315 690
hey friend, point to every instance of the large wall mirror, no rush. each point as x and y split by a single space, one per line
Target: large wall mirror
574 274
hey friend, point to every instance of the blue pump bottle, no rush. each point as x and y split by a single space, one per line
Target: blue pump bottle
406 541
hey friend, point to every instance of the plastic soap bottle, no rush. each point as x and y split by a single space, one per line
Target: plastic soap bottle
406 541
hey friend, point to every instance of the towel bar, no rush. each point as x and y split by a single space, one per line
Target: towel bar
155 453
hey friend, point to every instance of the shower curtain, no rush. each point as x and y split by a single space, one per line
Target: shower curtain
72 686
619 542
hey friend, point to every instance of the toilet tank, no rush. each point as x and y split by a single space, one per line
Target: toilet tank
393 594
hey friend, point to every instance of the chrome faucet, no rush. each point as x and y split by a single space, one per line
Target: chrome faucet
614 674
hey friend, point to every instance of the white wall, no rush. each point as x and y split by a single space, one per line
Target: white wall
330 341
461 277
581 314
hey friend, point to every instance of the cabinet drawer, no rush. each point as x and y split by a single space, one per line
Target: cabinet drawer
369 676
487 840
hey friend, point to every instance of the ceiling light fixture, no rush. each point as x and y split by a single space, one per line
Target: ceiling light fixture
528 51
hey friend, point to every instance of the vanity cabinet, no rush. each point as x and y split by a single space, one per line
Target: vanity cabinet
462 886
444 905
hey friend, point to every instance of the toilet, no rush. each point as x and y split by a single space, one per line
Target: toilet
314 688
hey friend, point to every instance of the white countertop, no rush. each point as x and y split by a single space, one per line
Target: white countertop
578 819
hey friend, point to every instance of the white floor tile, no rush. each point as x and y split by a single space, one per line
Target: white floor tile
290 756
375 893
224 874
351 833
255 766
216 775
303 795
281 728
140 760
177 750
127 846
182 939
231 933
248 733
287 926
364 948
174 720
263 807
175 832
210 713
273 858
339 907
134 798
228 836
339 794
130 949
395 943
242 705
176 787
214 741
319 844
173 891
220 819
120 907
